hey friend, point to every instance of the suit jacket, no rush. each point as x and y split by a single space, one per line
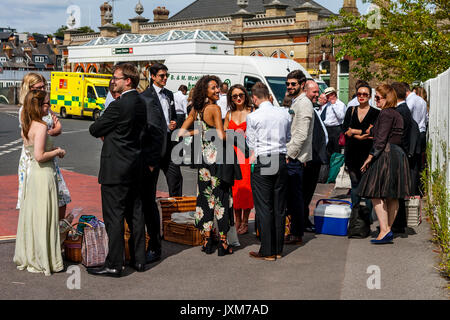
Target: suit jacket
300 145
411 133
121 125
319 145
154 106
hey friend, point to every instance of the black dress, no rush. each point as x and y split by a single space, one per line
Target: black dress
388 174
356 151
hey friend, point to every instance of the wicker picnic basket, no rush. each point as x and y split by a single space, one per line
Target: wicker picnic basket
176 204
182 233
127 236
72 247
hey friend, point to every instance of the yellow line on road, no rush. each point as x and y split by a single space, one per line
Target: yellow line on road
7 238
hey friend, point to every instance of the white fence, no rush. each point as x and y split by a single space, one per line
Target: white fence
439 120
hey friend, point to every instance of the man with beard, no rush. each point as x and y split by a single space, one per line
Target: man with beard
299 151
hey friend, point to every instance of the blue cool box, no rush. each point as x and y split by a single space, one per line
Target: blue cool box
332 219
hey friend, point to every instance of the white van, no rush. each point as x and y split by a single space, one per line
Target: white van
245 70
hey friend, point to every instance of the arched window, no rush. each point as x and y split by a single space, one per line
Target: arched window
257 53
279 54
79 69
92 69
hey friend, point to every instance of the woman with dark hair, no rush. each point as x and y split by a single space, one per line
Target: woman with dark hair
386 175
358 143
240 106
214 194
38 247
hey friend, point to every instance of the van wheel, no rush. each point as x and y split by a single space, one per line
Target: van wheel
63 113
96 114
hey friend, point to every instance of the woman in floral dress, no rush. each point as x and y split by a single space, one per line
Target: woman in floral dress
213 194
35 81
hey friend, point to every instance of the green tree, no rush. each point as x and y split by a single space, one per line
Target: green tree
60 32
407 40
123 27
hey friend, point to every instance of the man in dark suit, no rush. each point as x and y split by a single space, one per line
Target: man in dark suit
410 139
162 122
121 127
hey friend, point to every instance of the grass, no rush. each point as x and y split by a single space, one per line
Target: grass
437 200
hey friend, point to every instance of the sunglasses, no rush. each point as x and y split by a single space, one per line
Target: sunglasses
378 98
240 95
294 84
38 88
164 75
362 94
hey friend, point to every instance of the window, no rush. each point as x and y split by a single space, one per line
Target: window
279 54
257 53
39 59
249 82
278 86
91 93
2 59
344 67
101 91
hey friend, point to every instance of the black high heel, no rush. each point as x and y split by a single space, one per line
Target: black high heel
221 249
207 248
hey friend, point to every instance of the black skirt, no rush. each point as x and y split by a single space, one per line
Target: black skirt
388 175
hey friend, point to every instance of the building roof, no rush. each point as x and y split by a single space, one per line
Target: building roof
200 9
173 35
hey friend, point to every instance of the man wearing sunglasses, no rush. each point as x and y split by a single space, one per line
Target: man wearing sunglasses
160 103
299 151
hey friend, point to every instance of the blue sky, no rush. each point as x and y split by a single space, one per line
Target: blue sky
46 16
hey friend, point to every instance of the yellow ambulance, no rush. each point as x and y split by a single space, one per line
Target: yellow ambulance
78 94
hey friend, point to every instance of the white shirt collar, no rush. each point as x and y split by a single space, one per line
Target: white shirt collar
157 89
265 104
127 91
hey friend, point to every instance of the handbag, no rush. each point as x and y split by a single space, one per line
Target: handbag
94 247
342 139
343 179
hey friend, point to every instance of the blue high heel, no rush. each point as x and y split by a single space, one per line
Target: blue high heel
388 238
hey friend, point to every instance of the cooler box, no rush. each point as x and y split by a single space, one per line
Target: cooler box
331 217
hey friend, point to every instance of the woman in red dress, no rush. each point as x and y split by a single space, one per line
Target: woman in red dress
239 107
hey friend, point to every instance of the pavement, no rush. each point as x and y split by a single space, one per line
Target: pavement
324 267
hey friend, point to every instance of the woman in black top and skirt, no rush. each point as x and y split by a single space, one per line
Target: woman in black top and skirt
358 143
386 175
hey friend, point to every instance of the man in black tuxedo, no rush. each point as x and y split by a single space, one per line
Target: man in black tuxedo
162 121
121 128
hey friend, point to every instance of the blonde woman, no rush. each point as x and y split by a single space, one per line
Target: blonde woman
38 240
35 81
386 175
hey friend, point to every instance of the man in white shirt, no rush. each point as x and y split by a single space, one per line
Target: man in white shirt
268 132
181 102
332 115
223 101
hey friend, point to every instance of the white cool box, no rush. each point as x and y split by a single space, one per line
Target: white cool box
331 217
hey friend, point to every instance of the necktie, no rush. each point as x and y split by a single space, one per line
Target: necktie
323 115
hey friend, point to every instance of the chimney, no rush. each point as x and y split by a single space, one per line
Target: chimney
350 7
32 42
105 7
27 51
275 9
160 14
307 12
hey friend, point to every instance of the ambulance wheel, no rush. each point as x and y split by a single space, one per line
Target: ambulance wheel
63 113
96 114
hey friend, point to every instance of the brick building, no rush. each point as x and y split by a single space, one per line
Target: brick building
285 29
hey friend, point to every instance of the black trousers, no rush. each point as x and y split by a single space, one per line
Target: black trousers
172 171
295 203
150 209
269 195
119 202
333 140
310 178
180 119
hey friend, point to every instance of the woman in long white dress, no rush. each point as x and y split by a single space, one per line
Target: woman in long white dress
38 240
35 81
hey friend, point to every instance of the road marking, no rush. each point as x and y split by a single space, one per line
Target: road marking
11 143
76 131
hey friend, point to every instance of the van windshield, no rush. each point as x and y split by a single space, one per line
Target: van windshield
322 87
278 86
101 91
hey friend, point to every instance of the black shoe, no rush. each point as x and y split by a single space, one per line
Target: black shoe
310 229
221 249
398 230
140 267
208 247
152 256
105 271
